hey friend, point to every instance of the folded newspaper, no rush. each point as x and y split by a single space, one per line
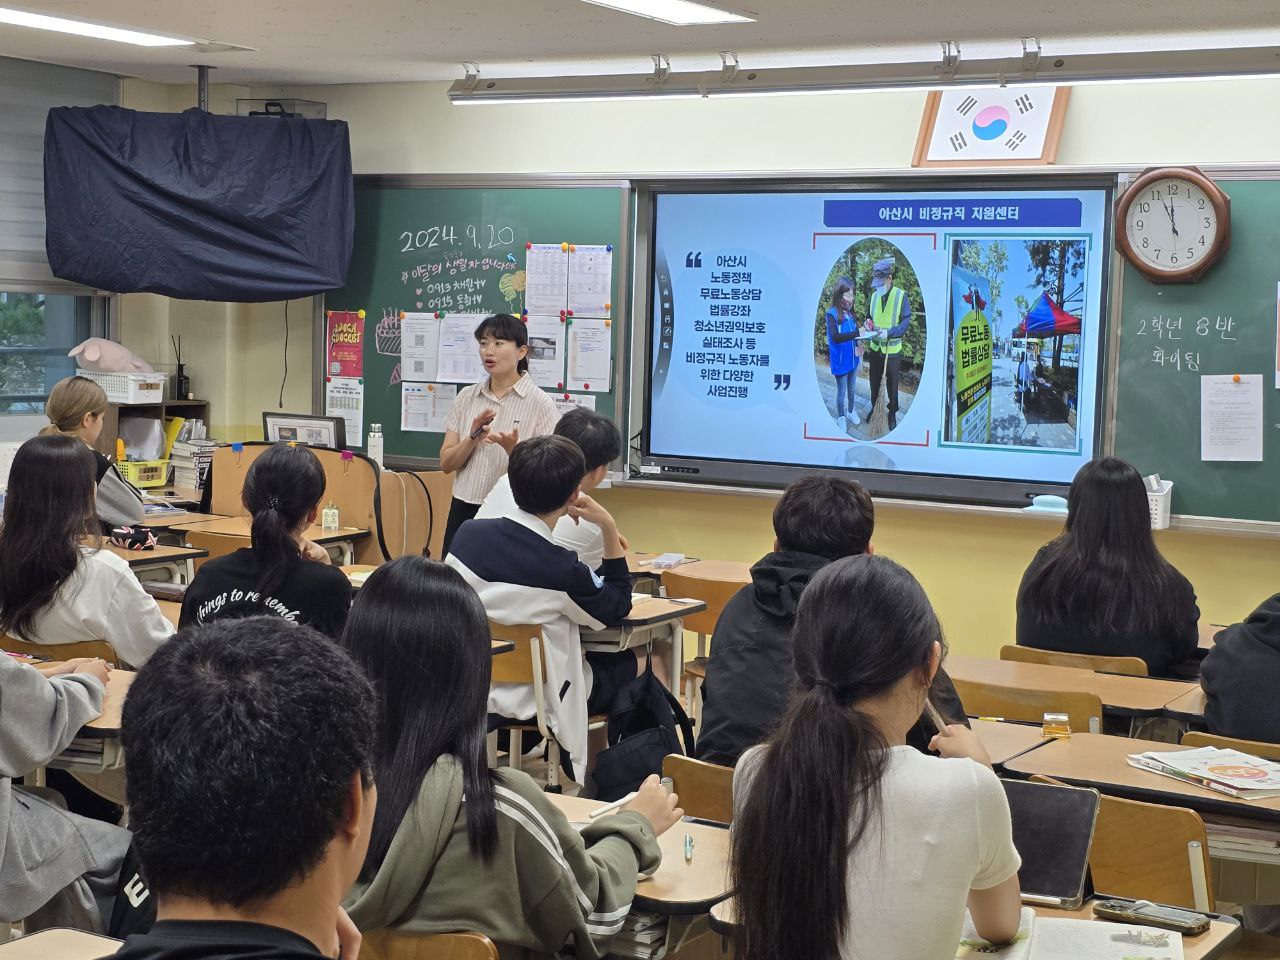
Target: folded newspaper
1229 772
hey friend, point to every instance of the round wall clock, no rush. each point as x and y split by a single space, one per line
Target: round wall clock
1173 224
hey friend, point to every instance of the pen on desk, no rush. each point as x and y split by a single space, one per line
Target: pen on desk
610 807
688 848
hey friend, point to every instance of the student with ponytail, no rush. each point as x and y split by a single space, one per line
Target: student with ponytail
920 835
75 408
282 574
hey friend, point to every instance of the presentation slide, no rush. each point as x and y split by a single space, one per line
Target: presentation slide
955 333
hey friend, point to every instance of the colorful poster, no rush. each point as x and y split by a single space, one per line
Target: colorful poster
970 358
346 344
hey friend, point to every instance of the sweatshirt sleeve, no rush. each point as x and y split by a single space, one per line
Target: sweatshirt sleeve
597 880
119 504
599 597
42 715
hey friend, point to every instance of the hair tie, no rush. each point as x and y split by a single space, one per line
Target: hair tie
273 503
825 683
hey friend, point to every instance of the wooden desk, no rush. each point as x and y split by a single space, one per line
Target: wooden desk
107 725
363 569
59 944
162 522
175 561
1207 632
735 571
1004 741
1097 760
344 537
1222 932
1127 696
677 887
653 620
1188 708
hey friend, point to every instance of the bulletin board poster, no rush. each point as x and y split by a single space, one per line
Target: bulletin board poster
345 350
941 332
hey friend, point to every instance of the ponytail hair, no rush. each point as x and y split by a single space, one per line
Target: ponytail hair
69 401
280 488
863 624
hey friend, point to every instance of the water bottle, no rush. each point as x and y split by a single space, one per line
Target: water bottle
373 444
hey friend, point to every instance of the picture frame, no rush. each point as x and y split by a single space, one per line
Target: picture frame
992 127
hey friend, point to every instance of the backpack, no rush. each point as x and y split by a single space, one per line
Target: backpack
642 731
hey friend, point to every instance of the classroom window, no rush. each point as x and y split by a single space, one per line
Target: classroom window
36 332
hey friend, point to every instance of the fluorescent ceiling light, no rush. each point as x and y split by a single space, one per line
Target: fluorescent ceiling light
682 13
24 18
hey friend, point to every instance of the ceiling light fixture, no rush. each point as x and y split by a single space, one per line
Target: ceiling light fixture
81 28
1030 65
681 13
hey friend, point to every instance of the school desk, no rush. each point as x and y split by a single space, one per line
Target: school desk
1100 761
177 562
357 573
1188 708
677 888
343 538
172 611
1207 632
1223 931
59 943
1004 741
96 747
650 621
1125 696
161 523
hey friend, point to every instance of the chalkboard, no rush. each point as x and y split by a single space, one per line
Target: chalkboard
448 249
1172 334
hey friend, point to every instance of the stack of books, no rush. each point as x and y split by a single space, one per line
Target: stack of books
191 460
643 936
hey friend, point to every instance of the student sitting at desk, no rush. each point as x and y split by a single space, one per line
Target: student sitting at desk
1102 587
1241 675
488 418
56 869
75 408
55 586
283 574
923 835
522 576
248 749
456 845
598 439
817 520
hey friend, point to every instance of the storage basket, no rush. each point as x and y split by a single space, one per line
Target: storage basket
1159 504
144 473
129 387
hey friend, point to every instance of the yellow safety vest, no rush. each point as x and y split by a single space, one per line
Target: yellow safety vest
885 311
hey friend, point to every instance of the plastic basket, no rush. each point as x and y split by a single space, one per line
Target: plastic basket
1159 504
144 473
129 387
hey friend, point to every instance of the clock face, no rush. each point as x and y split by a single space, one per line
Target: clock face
1172 225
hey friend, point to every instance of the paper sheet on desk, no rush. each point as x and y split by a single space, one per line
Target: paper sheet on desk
1061 938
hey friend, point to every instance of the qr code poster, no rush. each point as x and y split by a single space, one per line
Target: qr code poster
992 126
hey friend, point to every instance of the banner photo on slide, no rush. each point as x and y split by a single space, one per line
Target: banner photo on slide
950 333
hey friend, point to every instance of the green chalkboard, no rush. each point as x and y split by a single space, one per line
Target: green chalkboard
1228 326
459 249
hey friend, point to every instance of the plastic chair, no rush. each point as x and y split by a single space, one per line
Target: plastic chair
526 665
705 789
392 945
1126 666
1083 710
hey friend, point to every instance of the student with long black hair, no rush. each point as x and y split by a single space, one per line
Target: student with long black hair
1102 587
920 835
56 583
489 418
282 574
456 845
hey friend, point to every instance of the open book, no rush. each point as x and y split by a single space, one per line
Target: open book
1065 938
1230 772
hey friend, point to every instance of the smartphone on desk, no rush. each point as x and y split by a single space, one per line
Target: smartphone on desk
1186 922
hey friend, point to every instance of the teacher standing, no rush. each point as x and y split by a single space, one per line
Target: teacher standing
489 418
890 315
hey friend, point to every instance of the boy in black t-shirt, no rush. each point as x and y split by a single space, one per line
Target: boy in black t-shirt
248 747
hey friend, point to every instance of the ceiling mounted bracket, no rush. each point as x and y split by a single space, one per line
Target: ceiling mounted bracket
661 68
950 59
728 66
1030 56
472 75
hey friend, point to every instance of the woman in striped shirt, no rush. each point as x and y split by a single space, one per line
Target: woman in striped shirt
490 417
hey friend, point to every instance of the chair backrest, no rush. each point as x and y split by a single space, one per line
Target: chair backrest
516 666
218 545
1030 706
705 789
1258 748
714 593
439 488
1128 666
1140 851
63 651
391 945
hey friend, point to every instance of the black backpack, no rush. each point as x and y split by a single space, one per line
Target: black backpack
642 730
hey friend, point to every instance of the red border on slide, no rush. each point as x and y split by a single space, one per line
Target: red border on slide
872 233
887 443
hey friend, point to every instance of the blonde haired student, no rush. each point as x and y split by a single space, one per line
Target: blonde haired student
76 408
490 417
54 587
